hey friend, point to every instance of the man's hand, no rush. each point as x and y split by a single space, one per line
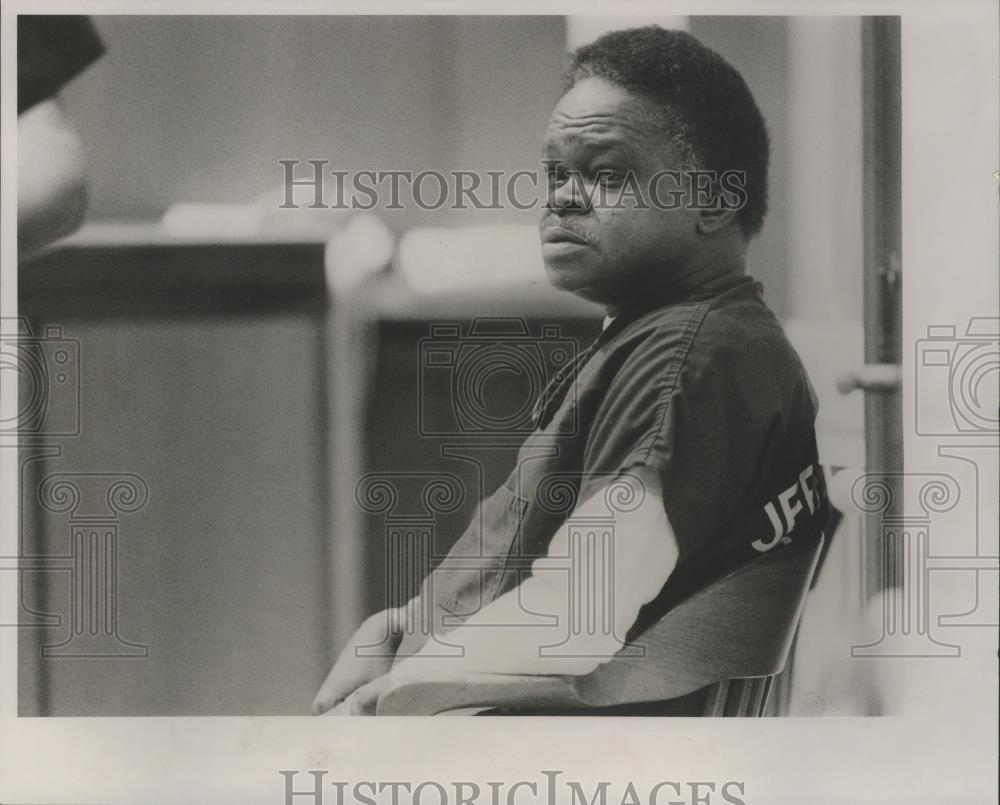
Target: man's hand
364 700
367 656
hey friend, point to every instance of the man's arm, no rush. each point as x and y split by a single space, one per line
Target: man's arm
51 176
508 635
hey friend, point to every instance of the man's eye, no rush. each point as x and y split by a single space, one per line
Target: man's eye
608 176
555 176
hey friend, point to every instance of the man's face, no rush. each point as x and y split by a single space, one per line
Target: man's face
604 252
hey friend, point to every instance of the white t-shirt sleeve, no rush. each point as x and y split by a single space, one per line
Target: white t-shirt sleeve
574 610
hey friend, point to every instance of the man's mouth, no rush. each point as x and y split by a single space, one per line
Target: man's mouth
557 234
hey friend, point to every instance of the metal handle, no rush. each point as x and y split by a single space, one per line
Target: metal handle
872 377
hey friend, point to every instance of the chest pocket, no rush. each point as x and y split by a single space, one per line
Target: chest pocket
470 577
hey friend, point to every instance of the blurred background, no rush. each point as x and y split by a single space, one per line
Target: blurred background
235 369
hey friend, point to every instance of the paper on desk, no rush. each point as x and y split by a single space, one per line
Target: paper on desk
278 213
436 260
209 221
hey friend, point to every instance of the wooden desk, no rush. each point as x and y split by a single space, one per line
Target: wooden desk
200 374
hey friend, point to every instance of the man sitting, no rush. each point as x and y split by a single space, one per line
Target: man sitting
691 402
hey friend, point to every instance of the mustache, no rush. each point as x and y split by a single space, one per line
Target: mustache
552 222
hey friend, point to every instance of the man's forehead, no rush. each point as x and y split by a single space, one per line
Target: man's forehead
600 112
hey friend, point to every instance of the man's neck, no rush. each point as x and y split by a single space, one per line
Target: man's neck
706 273
711 269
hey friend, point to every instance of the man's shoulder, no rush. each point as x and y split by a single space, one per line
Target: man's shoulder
731 335
741 323
733 321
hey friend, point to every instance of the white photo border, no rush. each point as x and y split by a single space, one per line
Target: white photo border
941 754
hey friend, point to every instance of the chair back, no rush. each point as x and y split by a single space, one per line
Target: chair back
732 636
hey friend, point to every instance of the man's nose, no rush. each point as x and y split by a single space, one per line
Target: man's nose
568 197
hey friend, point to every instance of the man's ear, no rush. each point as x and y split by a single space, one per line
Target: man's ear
715 219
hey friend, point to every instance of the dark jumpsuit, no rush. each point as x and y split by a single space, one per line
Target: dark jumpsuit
700 387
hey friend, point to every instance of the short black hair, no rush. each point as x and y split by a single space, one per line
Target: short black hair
712 113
